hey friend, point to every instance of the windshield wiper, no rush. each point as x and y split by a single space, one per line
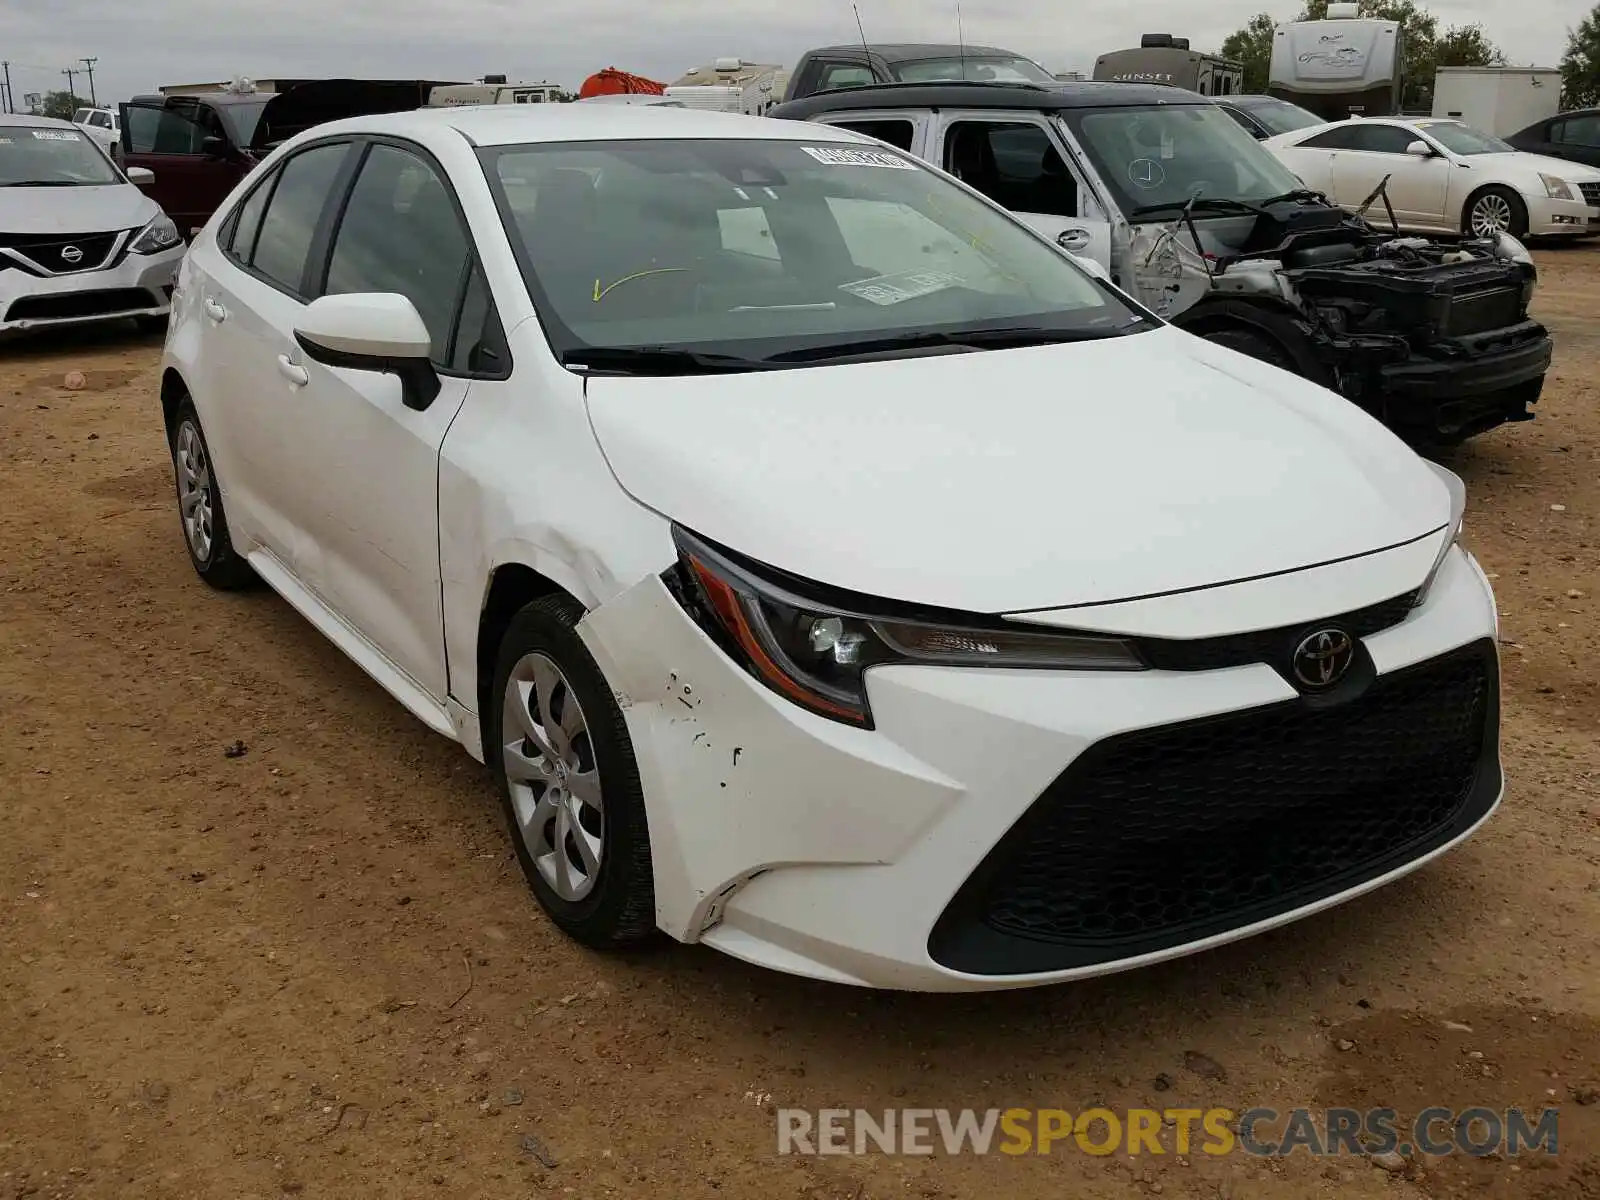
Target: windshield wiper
43 183
968 339
1195 203
657 360
1296 194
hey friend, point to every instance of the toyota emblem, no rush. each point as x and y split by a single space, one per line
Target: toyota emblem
71 254
1322 658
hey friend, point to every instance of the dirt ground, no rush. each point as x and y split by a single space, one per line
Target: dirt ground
313 968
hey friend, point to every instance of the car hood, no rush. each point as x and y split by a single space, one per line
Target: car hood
1006 480
1521 160
75 209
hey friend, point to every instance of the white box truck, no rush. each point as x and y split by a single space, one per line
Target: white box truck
1498 100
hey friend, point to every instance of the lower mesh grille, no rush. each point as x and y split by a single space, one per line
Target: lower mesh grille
1165 836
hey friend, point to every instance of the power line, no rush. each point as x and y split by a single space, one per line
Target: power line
90 62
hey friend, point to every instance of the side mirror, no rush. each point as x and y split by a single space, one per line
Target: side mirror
214 147
372 331
1420 149
141 176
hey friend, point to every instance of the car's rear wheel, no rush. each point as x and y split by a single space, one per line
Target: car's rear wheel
562 757
1495 210
205 525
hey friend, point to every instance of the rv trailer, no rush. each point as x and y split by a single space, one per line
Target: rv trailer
1162 58
1344 66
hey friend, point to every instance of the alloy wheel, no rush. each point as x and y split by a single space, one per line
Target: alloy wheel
194 490
553 777
1491 214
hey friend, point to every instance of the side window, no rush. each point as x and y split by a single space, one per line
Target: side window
1382 139
247 221
745 231
1243 122
304 184
401 233
1015 165
897 132
479 342
144 124
1342 138
843 75
1577 131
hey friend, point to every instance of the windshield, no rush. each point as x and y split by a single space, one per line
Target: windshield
1464 139
1279 116
973 68
1154 157
55 156
759 248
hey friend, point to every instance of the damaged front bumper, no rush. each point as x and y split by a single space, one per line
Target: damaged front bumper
1486 381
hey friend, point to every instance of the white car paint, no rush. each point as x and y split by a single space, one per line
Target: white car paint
1147 485
1432 193
67 238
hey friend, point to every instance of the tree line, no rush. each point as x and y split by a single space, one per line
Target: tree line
1427 48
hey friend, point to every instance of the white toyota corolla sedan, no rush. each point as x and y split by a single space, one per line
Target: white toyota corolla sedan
829 569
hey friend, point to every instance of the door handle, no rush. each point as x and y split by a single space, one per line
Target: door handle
1073 239
215 311
292 371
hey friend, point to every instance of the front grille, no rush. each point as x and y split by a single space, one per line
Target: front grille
1271 646
1591 193
1162 837
66 305
45 249
1480 312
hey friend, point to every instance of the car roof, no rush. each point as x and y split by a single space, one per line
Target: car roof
1034 96
516 124
223 98
27 120
894 52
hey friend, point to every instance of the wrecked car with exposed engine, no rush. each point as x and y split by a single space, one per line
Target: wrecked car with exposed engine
1185 212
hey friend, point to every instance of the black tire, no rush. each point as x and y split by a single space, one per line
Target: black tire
1513 204
215 559
619 910
1256 345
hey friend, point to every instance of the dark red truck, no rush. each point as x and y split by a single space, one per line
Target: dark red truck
201 145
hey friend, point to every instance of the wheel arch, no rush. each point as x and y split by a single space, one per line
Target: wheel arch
512 585
174 391
1277 322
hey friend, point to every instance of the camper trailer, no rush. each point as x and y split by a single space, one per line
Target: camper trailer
731 85
493 89
1162 58
1344 66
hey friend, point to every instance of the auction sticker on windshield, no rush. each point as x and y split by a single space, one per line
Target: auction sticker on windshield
908 285
843 156
57 135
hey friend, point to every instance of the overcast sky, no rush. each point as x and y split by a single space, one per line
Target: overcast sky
143 45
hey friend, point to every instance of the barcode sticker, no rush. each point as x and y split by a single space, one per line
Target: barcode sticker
846 156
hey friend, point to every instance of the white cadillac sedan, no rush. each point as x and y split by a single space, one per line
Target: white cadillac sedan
1443 176
829 569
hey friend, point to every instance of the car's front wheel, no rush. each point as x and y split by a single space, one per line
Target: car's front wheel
1495 210
562 757
205 526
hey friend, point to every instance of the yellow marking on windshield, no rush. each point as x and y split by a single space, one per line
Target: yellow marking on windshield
601 292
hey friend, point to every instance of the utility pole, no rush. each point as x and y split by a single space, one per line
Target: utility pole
10 104
89 63
72 88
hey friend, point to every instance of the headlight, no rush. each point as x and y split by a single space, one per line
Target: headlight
1458 508
816 652
1513 249
1556 188
160 234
